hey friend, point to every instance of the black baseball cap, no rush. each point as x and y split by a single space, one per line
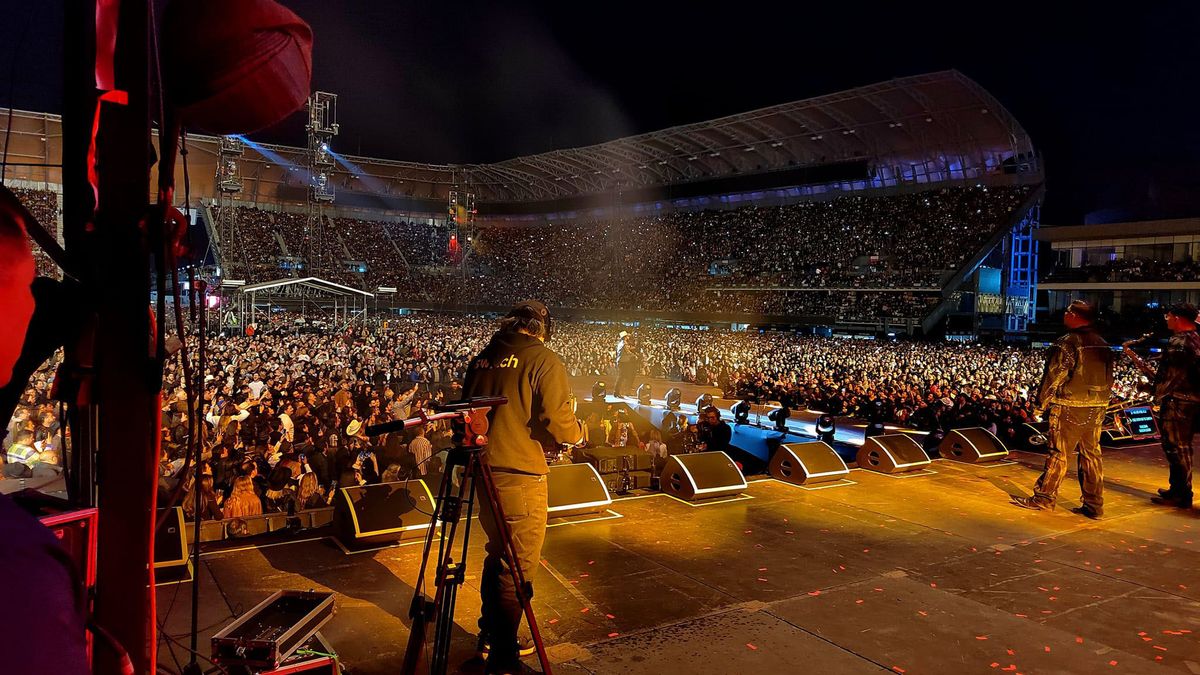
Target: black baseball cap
530 307
534 309
1183 310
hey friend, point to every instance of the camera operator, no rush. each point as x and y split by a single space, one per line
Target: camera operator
517 364
715 433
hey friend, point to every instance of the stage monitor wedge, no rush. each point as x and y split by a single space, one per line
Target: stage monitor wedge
807 464
382 514
973 445
172 564
892 453
576 490
701 475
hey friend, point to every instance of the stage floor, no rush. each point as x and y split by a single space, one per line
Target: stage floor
930 573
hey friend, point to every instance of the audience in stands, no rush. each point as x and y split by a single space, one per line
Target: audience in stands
902 248
1131 270
42 205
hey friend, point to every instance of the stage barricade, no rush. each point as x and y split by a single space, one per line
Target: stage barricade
219 530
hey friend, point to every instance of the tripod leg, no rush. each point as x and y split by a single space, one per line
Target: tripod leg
523 589
422 610
450 575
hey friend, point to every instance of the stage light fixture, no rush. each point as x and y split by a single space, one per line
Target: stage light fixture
673 397
780 417
826 428
741 412
643 394
703 401
599 391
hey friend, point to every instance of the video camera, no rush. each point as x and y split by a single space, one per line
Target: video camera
470 430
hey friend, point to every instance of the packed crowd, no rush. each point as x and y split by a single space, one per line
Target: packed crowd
356 252
35 435
847 306
910 243
283 411
43 205
1132 269
666 261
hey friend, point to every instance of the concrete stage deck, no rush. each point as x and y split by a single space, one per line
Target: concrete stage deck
924 574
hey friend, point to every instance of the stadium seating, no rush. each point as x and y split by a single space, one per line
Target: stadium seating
877 256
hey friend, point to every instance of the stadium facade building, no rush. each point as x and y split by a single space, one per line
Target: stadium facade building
911 135
1133 269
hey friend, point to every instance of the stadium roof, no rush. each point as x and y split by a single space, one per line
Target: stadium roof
920 129
943 118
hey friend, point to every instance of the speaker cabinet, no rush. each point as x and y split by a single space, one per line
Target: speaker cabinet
76 531
382 514
702 475
807 463
892 453
172 563
973 445
576 490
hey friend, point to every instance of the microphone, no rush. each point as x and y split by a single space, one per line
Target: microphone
388 427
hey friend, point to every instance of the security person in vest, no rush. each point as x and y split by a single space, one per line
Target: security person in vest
540 411
1177 394
1075 389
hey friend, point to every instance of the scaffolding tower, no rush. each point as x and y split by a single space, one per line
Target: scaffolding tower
1021 290
232 254
322 127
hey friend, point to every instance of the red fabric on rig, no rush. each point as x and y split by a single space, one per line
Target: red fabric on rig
235 66
16 275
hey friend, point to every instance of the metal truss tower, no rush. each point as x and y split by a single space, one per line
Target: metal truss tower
1021 291
322 127
232 252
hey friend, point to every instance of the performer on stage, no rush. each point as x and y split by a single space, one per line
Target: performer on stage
629 362
1177 395
1075 389
517 364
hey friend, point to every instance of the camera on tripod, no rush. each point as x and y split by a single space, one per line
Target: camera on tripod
470 426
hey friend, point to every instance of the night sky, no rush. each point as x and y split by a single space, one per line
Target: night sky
1109 98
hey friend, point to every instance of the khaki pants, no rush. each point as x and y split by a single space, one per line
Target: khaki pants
1074 430
523 498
